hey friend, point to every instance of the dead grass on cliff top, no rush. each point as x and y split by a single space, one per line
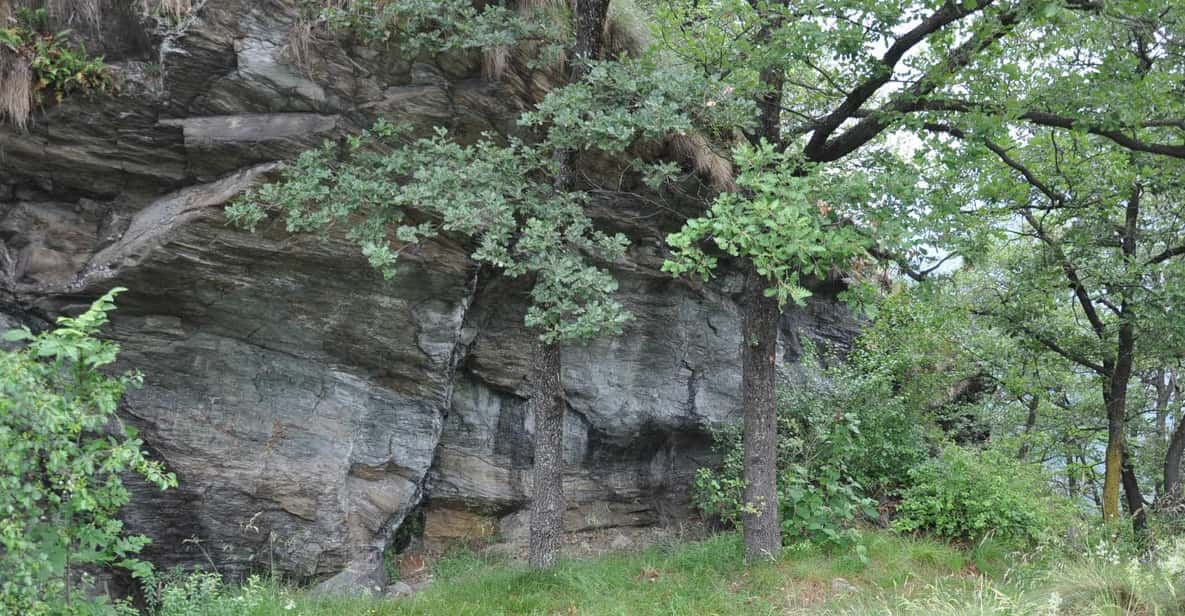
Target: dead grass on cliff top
16 88
175 9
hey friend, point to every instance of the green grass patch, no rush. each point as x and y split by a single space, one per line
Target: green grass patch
705 577
892 574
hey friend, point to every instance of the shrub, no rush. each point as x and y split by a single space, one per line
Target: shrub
967 493
857 422
818 497
203 593
62 453
844 436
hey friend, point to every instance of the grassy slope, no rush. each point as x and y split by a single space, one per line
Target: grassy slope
901 575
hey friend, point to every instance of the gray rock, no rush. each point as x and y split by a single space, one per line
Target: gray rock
843 587
362 577
621 542
397 590
306 404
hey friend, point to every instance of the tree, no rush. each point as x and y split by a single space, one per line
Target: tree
1094 274
835 80
517 203
62 454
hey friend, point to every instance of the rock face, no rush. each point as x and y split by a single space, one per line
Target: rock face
307 405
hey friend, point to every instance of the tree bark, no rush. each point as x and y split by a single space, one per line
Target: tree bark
1136 507
1113 459
760 518
547 403
1172 465
547 489
1071 477
1120 372
1030 423
590 30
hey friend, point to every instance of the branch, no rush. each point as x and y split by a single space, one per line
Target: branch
1048 342
1080 292
1039 118
1058 199
948 13
1169 253
1042 118
901 262
872 124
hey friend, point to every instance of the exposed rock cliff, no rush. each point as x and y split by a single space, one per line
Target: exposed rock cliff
305 404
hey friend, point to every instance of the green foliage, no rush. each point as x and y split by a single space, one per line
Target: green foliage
841 437
788 223
968 493
203 593
393 192
624 101
58 68
884 436
435 26
62 454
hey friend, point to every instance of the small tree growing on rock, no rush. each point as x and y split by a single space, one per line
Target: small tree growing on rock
516 202
500 197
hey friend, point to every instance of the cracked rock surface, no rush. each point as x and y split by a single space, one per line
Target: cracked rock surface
307 405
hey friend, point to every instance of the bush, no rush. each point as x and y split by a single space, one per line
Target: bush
857 423
968 493
203 593
819 497
61 459
844 436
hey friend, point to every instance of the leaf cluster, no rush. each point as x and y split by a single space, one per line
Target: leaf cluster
787 219
63 455
392 192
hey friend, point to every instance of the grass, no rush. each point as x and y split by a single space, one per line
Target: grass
898 575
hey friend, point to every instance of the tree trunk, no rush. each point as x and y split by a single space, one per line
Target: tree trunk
590 30
1172 465
1030 423
1115 392
1113 460
547 401
1136 507
761 519
762 526
1071 477
547 488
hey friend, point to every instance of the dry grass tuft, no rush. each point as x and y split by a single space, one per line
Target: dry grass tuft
706 161
494 61
171 9
16 88
76 13
625 29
